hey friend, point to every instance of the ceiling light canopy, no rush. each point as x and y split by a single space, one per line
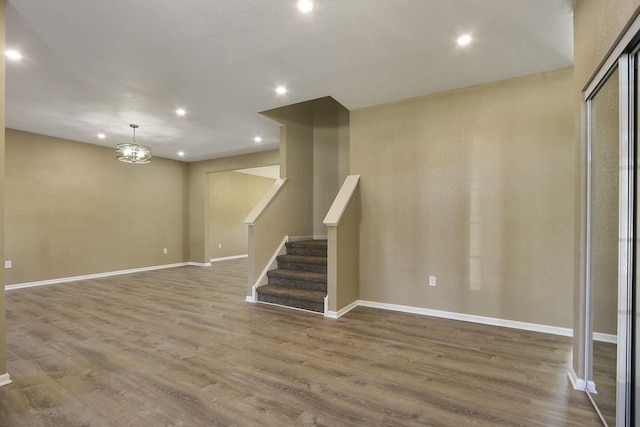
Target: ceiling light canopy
281 90
305 6
102 136
181 111
257 139
181 153
464 40
131 152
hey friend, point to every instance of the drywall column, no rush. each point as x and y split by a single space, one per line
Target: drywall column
330 157
596 27
343 144
4 377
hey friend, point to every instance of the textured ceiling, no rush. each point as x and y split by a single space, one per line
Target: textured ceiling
94 66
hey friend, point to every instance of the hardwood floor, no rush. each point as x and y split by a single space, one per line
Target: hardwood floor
604 375
181 347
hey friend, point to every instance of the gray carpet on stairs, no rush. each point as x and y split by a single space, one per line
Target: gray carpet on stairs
300 281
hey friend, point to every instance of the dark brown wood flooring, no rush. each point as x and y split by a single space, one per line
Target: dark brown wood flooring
180 347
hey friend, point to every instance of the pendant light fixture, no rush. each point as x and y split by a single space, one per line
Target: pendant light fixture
131 152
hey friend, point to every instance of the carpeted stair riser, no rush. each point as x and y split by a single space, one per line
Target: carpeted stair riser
303 248
304 263
292 302
290 282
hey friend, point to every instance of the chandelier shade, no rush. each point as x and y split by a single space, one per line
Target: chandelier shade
131 152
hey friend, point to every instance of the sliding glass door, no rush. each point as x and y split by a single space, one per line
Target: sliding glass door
611 211
603 243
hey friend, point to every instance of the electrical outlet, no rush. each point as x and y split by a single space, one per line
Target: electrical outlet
219 245
8 264
164 251
432 280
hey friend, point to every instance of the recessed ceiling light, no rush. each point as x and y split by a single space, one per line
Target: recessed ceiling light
281 90
464 40
257 139
305 6
102 136
13 55
180 153
181 111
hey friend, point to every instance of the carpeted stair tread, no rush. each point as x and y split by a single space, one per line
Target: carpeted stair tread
308 276
315 264
300 281
301 294
307 247
305 259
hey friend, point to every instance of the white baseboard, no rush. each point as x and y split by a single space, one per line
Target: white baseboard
591 387
289 307
250 299
320 237
227 258
576 383
198 264
554 330
5 380
608 338
93 276
342 311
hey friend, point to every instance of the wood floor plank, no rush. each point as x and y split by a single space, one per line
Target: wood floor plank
180 347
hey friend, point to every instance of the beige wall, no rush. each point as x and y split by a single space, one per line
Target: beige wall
474 187
344 148
73 209
199 250
330 156
597 26
3 329
325 163
347 239
232 195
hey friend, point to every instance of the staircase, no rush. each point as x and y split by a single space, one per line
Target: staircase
300 280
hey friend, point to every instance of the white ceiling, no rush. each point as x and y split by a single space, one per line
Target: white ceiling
95 66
